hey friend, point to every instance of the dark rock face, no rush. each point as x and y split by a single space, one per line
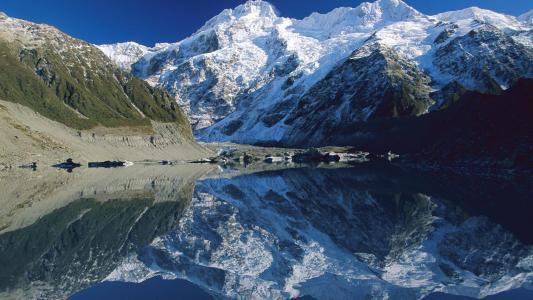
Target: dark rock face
446 34
485 59
480 131
373 83
376 83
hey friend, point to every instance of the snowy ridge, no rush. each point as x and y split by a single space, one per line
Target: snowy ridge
470 16
527 18
363 18
125 54
248 62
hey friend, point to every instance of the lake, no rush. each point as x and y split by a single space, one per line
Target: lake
364 231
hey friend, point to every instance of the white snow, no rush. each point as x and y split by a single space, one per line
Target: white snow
527 18
466 18
125 54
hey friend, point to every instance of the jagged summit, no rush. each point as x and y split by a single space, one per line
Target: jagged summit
258 8
363 18
251 10
466 16
393 9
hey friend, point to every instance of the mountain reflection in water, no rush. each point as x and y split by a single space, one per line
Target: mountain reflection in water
364 232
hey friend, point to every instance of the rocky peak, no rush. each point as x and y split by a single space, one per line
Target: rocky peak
466 16
256 8
485 59
396 10
253 10
363 18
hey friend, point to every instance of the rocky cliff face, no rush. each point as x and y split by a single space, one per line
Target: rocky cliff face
251 76
485 59
373 83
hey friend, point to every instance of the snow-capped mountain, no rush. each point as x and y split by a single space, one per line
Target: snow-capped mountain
249 75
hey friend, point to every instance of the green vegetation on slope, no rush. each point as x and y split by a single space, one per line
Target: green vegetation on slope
19 84
79 87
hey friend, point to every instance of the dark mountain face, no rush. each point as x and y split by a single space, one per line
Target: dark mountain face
487 57
373 83
477 129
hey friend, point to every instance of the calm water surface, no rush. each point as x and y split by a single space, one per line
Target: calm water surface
368 231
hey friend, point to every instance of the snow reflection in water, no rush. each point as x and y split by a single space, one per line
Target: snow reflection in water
331 234
363 232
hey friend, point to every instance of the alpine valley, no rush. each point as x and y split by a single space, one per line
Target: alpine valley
350 77
251 76
371 152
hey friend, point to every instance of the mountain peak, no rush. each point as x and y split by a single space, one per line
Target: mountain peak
391 3
473 11
257 8
364 18
253 9
396 9
479 15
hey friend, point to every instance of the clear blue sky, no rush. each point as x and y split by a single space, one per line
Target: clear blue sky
150 21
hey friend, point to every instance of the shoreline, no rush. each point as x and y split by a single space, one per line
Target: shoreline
27 137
